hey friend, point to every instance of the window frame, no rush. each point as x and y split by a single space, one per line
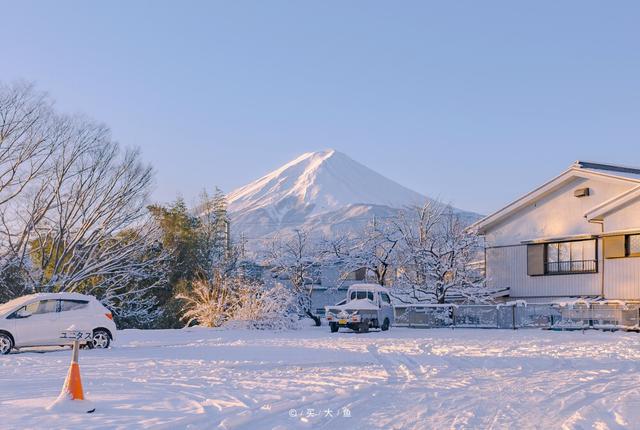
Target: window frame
367 295
83 304
627 245
570 263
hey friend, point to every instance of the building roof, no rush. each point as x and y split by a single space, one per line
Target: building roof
610 169
597 213
584 169
369 287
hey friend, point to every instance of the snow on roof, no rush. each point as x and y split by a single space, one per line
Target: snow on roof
369 287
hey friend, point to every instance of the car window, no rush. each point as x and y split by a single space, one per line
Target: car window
31 308
72 305
45 307
386 298
362 295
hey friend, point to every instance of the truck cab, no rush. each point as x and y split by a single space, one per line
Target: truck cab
366 306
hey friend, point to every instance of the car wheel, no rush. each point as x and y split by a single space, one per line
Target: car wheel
6 344
101 339
385 325
334 327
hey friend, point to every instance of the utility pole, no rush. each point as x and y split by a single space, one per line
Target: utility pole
242 245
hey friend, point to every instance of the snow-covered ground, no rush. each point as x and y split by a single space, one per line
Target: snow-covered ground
401 379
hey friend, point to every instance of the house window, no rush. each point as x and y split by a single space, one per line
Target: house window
621 246
633 245
571 257
357 275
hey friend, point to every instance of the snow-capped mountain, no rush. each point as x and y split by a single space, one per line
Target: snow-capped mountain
323 192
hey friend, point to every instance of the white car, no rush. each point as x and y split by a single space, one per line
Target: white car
44 319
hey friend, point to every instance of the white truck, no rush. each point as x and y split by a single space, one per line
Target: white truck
366 306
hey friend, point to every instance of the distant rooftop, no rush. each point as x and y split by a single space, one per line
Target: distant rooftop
607 167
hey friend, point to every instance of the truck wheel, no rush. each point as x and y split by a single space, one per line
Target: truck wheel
364 327
385 325
334 327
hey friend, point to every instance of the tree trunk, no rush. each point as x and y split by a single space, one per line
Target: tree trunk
315 318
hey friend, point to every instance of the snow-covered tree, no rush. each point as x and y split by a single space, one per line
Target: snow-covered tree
375 250
211 302
12 279
296 258
265 308
236 302
437 252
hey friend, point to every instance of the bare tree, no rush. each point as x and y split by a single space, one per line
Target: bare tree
296 259
73 211
437 255
96 193
27 138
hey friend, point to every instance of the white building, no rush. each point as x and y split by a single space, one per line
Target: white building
577 235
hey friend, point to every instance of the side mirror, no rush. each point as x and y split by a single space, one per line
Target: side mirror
23 313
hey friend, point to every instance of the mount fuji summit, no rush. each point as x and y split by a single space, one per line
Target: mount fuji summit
324 193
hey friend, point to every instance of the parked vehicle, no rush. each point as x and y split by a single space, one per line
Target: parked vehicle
366 306
44 319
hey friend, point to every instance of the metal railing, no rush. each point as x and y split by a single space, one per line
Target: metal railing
570 267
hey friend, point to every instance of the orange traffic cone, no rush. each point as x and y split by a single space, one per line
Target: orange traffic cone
71 398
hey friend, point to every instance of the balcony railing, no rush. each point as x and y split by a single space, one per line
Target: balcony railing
571 267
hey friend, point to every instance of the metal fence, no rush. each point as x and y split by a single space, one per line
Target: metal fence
600 316
519 315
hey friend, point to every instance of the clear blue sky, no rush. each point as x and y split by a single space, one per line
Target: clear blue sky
474 102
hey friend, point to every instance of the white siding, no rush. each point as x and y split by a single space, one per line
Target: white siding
622 278
507 267
626 218
556 215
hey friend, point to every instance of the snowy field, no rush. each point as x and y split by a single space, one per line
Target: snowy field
401 379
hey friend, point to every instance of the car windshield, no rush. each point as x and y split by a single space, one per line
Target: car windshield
359 295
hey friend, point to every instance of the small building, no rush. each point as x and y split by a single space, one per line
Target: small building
327 284
575 236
